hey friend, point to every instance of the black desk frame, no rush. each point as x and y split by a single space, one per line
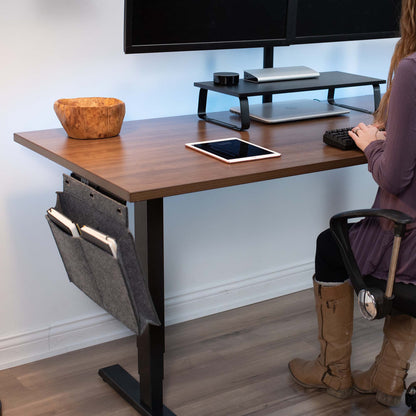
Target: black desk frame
245 89
147 396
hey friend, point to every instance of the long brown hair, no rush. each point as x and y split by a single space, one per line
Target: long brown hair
404 47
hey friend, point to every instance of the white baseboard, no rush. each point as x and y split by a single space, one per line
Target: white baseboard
59 339
246 291
92 330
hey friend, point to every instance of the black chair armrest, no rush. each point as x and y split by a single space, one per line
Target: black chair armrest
399 218
339 227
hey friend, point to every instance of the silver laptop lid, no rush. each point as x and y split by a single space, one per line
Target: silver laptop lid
280 112
279 74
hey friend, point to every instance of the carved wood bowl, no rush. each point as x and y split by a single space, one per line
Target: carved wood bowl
90 117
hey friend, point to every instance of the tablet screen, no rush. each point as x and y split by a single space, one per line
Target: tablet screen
233 150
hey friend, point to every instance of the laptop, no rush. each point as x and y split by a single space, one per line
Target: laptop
279 74
280 112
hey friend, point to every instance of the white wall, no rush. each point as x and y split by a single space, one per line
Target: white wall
55 48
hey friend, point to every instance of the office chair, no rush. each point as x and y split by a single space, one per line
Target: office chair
378 298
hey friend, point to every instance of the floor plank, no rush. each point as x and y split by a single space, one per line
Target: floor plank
229 364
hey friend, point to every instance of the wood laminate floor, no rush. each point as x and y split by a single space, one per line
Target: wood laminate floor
229 364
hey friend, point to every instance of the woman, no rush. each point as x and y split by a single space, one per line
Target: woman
391 158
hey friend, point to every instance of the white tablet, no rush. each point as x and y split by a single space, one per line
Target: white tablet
232 150
63 222
99 239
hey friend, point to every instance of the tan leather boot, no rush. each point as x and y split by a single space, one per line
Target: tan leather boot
386 376
331 370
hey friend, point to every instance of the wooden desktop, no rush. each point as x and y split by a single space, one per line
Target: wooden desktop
148 161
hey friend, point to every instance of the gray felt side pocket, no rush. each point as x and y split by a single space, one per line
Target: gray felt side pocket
110 283
116 284
74 260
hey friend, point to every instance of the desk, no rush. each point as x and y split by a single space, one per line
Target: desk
148 162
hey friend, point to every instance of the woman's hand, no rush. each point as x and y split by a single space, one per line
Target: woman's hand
381 135
363 135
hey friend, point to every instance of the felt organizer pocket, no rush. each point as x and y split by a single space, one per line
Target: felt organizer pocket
74 260
116 283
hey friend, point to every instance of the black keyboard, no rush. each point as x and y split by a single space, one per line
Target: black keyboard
339 138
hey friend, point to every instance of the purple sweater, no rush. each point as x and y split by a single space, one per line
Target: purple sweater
392 163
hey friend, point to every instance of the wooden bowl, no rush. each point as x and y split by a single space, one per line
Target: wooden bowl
90 117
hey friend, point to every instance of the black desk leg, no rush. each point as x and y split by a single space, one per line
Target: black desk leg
376 94
244 112
147 396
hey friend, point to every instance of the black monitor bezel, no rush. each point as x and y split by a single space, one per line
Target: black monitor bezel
341 37
129 48
298 40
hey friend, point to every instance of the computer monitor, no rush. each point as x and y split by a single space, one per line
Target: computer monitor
180 25
331 20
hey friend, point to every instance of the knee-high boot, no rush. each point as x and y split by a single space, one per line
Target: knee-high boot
331 370
386 376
